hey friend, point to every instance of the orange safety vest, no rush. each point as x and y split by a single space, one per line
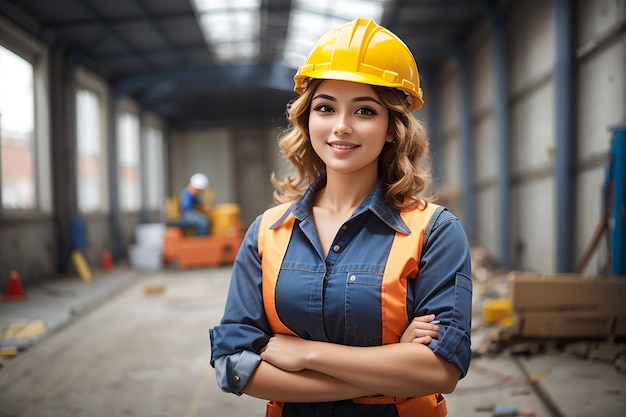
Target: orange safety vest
403 261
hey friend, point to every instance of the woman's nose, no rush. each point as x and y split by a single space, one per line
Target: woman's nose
342 126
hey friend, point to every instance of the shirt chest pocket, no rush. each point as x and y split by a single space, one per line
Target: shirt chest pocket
363 307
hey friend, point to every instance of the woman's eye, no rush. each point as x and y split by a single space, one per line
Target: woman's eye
324 108
365 112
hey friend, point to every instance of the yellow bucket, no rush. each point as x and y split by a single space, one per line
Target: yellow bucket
497 310
224 219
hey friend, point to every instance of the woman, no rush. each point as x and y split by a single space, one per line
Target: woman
329 284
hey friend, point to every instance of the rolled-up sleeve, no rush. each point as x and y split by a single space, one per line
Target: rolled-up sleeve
443 287
232 372
243 330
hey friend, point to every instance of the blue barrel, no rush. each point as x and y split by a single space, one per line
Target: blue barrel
79 234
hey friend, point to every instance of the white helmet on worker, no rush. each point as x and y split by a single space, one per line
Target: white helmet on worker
199 181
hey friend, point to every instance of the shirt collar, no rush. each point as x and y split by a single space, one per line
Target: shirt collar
375 203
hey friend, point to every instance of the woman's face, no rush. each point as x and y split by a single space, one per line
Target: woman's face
348 126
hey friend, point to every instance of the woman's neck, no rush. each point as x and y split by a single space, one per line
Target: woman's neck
344 193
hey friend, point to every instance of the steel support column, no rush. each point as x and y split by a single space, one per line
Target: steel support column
565 144
468 194
143 165
431 100
502 117
618 206
115 222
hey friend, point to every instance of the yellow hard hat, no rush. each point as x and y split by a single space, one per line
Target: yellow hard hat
364 52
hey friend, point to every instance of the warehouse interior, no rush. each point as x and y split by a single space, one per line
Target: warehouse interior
107 107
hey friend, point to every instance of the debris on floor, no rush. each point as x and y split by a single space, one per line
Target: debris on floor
522 313
23 329
152 290
8 352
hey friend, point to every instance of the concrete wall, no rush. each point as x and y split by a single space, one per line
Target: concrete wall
238 163
210 152
601 97
28 239
601 55
531 97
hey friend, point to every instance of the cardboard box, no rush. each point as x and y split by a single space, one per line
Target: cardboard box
568 305
567 292
620 327
564 325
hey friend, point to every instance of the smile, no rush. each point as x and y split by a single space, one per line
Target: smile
343 146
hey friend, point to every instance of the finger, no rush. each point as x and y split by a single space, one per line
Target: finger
424 319
423 340
421 333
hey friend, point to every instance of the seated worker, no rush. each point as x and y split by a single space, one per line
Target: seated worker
192 205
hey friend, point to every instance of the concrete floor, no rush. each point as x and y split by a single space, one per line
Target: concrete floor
113 350
135 355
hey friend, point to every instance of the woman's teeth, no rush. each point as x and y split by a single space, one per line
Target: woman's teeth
343 146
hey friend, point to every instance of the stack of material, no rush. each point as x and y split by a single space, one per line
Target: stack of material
147 253
568 305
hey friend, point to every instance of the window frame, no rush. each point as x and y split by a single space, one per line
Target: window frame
127 106
88 81
152 121
24 45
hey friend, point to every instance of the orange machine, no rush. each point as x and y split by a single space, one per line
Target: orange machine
220 247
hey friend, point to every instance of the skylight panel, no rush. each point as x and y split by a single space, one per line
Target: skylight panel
231 28
310 19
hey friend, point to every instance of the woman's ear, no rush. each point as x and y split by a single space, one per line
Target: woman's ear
390 140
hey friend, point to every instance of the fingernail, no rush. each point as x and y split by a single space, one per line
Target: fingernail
434 322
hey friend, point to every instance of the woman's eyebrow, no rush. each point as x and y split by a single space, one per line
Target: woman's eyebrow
356 99
367 98
325 96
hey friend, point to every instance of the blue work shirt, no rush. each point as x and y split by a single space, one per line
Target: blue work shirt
317 300
188 201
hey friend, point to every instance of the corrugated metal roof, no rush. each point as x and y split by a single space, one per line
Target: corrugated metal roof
155 51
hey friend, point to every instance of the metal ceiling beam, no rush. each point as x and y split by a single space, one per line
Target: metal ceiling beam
274 15
210 78
159 17
153 54
147 14
446 4
123 42
27 22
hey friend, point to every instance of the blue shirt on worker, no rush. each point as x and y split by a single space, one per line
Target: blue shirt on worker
188 201
321 304
189 218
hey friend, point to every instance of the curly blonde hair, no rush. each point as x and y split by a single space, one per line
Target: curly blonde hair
399 162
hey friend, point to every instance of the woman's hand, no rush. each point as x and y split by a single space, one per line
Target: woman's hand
288 353
420 330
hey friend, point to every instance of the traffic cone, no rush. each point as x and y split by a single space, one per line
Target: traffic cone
14 291
106 261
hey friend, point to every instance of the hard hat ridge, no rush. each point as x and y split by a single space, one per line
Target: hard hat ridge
362 51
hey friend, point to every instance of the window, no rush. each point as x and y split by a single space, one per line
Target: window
154 168
128 157
17 125
90 159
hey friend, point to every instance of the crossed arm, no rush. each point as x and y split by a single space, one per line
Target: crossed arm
298 370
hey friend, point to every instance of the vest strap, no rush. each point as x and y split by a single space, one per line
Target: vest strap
272 256
402 264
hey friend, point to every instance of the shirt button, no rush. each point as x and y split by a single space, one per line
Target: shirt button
336 248
344 227
236 379
352 278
